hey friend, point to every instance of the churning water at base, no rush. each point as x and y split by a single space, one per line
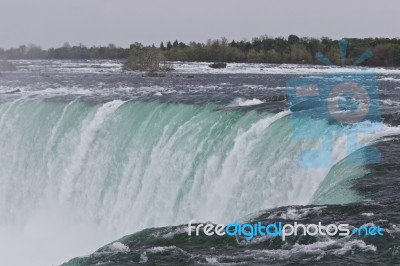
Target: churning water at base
76 175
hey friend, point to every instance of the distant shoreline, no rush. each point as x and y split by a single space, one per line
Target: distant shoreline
383 52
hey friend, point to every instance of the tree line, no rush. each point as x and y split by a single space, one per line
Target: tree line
264 49
67 51
291 50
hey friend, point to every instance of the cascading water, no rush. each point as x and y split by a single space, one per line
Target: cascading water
122 166
86 158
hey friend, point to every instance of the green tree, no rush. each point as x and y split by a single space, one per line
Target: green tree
162 47
293 39
169 45
299 54
272 56
255 57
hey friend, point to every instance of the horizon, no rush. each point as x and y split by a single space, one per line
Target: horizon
49 23
188 42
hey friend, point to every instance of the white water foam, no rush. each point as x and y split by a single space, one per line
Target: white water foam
106 67
246 102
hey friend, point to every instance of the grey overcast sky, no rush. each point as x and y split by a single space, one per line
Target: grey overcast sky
50 23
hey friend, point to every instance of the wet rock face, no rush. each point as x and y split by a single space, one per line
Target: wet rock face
218 65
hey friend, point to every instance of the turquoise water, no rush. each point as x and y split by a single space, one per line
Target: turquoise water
74 168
